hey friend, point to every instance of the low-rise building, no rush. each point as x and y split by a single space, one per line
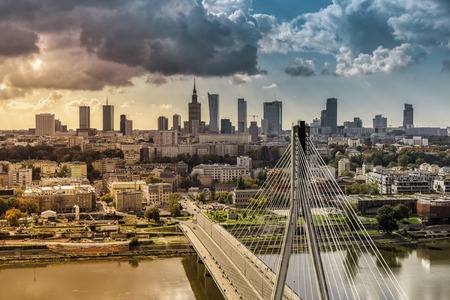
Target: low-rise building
369 204
157 194
120 186
129 201
63 198
394 182
436 210
241 197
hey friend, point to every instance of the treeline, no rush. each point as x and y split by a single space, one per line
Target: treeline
45 152
412 158
408 158
25 205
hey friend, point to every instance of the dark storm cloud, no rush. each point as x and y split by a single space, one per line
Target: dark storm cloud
91 44
192 42
366 30
17 42
300 67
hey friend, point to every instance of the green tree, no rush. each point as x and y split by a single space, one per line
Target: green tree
152 180
200 197
12 216
108 198
63 172
351 217
259 202
401 212
240 184
387 221
224 197
36 173
28 205
152 213
174 204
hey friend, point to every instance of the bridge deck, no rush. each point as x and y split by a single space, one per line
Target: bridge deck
230 281
237 266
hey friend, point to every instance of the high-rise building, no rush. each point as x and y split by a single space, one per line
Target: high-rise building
380 123
163 123
108 117
264 126
85 117
58 125
273 113
408 116
331 115
253 130
45 124
123 120
242 115
195 124
356 123
128 127
176 122
225 126
213 101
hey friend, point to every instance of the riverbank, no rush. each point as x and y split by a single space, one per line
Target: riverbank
44 255
44 250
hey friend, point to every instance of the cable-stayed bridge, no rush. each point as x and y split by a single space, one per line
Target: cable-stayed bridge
299 238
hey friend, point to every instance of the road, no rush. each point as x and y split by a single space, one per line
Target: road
229 279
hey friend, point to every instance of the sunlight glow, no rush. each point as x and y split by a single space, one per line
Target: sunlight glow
37 64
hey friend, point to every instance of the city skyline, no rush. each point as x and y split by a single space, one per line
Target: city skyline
374 56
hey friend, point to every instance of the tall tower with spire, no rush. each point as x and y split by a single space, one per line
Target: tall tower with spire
108 117
195 124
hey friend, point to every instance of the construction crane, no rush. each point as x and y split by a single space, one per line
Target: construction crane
254 116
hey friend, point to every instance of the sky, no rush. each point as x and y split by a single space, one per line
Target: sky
143 55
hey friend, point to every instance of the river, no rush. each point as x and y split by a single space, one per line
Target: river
423 273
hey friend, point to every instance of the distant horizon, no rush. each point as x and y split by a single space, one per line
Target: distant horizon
143 55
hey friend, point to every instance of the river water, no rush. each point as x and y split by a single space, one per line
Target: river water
423 273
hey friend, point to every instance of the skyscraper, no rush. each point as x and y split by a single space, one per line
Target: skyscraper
123 121
213 101
408 116
225 126
163 123
128 127
45 124
273 113
253 130
176 122
380 123
195 123
242 115
85 117
331 113
108 117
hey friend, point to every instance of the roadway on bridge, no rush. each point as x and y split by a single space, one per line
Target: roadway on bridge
231 281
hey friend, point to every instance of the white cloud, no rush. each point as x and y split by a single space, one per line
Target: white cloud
240 79
49 102
271 86
309 32
165 106
93 103
17 105
126 104
301 67
381 60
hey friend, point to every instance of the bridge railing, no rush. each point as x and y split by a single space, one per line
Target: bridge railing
261 277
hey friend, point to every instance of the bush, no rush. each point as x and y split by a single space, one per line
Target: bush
134 241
